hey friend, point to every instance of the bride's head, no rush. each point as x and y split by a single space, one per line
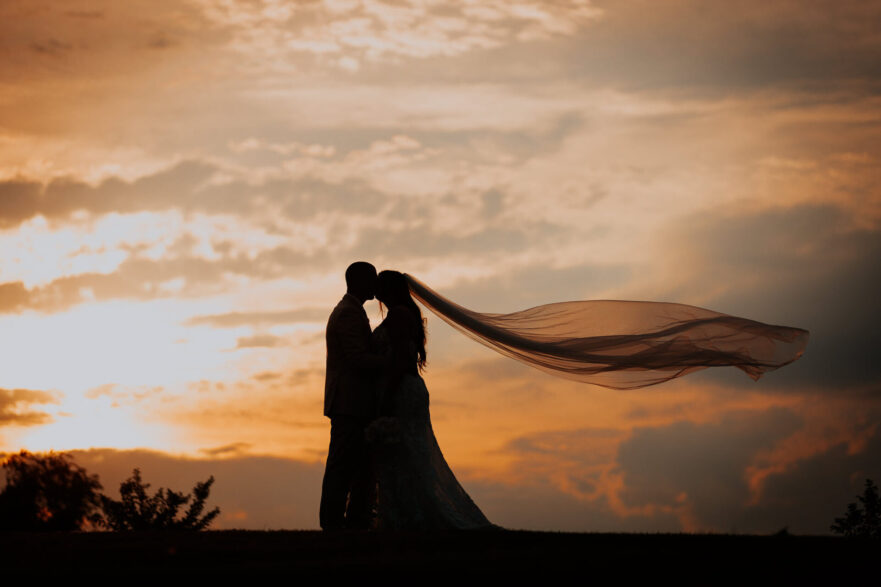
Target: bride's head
392 290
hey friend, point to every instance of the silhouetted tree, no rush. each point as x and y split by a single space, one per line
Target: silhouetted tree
139 511
47 492
863 520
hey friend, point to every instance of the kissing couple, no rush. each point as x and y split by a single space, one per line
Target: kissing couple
384 468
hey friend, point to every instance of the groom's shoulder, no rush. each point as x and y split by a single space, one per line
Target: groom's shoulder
343 308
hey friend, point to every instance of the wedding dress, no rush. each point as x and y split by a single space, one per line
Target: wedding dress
416 490
616 344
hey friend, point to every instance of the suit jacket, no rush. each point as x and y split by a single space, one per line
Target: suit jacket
352 367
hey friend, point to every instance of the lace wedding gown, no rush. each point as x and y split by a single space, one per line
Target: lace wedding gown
416 490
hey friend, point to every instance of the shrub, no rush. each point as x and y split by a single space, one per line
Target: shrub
48 492
863 520
139 511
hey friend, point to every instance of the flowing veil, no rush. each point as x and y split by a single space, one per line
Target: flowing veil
623 344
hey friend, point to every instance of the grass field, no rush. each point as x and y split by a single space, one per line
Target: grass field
702 558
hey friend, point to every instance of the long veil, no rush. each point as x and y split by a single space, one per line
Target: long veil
623 344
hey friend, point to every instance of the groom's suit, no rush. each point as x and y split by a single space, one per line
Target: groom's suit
350 403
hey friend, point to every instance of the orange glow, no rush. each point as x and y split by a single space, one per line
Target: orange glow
183 182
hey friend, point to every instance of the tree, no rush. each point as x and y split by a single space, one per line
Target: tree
47 492
863 520
138 511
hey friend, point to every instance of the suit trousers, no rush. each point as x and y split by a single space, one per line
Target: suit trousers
348 487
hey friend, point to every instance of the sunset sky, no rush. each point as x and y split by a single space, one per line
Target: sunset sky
183 183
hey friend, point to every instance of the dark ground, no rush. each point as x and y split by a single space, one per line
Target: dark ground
695 558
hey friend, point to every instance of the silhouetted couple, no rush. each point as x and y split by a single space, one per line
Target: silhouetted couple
384 467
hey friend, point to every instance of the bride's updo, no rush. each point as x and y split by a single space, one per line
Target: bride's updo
392 290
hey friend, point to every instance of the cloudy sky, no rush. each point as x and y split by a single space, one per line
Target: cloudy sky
183 182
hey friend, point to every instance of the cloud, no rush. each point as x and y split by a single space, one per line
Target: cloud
236 319
683 48
124 394
540 504
808 496
209 231
577 462
381 32
62 197
259 340
146 279
234 449
101 32
689 45
809 266
699 470
192 186
13 404
52 47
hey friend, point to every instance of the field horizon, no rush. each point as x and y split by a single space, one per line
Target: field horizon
501 552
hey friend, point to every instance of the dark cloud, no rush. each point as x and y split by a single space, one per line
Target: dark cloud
144 279
52 47
13 404
750 44
702 467
186 187
268 375
805 266
160 41
101 30
684 46
13 297
808 496
18 201
540 504
234 449
166 189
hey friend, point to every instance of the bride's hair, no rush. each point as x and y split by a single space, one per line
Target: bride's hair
392 287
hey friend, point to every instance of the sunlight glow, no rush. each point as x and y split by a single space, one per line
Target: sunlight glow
83 422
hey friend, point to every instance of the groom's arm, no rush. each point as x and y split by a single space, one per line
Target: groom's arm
354 338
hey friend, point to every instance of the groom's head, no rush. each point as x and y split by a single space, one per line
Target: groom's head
361 280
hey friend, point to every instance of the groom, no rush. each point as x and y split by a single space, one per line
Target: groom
350 403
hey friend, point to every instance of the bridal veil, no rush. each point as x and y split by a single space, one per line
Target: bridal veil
623 344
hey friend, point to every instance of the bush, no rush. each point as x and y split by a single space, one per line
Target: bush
48 492
863 520
138 511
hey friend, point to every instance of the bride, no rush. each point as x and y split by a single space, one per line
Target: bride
613 343
416 489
